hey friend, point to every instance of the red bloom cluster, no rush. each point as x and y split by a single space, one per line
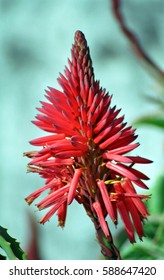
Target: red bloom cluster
84 157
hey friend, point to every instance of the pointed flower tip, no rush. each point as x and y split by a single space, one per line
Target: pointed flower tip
80 40
61 223
79 35
41 221
39 207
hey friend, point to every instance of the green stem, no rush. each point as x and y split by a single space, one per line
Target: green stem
108 249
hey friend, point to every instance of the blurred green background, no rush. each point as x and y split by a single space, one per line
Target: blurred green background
35 42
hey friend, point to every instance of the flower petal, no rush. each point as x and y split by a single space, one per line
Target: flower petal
53 183
62 212
139 159
97 207
51 212
121 170
53 197
43 141
67 154
124 149
106 200
73 185
126 219
109 141
135 216
128 187
116 157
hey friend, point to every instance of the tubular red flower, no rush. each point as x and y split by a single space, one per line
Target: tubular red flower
106 199
52 210
123 170
128 187
118 158
126 219
99 213
135 217
85 155
54 196
73 185
50 185
62 212
130 207
47 140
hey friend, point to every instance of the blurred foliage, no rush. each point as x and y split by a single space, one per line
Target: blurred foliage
10 247
154 120
153 246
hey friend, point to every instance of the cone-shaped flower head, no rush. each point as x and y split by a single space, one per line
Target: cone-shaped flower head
85 157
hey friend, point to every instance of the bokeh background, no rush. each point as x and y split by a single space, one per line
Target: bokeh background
35 42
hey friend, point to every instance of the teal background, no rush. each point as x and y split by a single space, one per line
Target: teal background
35 41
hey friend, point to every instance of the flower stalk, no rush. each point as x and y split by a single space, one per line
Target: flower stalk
108 249
136 45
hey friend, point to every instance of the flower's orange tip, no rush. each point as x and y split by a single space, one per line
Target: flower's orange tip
29 200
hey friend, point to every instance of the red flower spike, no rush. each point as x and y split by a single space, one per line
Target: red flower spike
85 155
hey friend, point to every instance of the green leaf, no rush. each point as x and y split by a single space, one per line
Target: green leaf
120 238
156 100
2 257
11 246
154 120
148 250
